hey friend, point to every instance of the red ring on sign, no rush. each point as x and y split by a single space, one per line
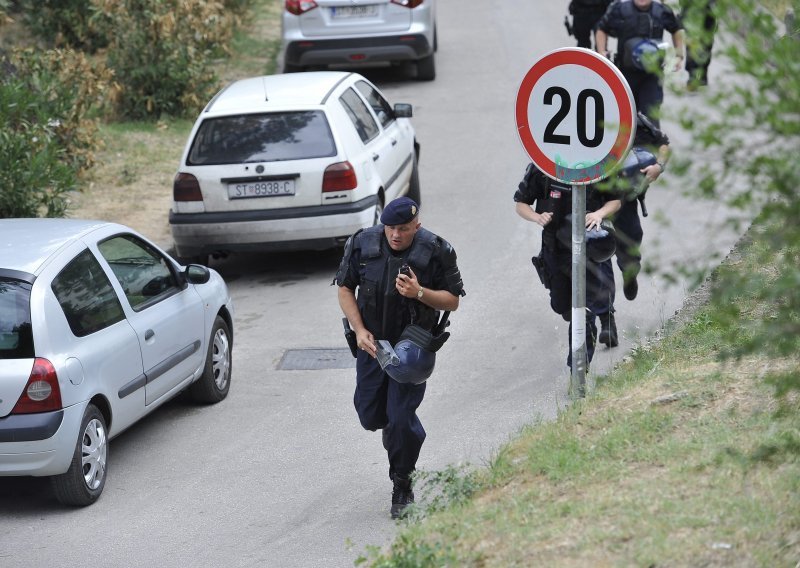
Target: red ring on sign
583 58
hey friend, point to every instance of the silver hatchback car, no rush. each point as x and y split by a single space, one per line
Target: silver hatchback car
355 32
98 327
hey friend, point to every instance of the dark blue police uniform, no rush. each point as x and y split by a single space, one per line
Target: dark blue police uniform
555 197
585 14
627 222
370 265
626 22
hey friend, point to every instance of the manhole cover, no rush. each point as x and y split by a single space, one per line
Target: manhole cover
312 359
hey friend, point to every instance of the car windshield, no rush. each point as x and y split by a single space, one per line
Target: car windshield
16 338
262 138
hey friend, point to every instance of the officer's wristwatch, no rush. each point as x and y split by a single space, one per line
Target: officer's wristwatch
420 293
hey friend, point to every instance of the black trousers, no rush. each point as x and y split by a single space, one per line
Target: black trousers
648 93
628 226
583 23
382 402
599 291
698 49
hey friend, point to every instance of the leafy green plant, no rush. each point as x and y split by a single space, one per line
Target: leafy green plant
67 23
161 53
749 148
47 140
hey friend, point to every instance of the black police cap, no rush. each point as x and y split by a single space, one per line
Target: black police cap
400 211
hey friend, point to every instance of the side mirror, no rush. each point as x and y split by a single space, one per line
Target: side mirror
197 274
403 110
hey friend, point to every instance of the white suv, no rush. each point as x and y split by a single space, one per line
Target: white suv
298 161
353 32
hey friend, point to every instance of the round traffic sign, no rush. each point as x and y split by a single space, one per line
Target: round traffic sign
575 115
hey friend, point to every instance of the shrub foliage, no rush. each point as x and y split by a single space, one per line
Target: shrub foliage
749 148
47 139
161 50
67 23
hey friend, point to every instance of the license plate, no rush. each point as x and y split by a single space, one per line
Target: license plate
270 188
367 11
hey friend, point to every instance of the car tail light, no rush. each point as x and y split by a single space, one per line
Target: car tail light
298 7
42 392
339 177
408 3
186 188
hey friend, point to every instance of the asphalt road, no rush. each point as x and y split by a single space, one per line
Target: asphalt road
281 474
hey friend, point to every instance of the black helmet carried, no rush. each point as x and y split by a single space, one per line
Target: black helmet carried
644 54
414 364
601 243
414 355
634 180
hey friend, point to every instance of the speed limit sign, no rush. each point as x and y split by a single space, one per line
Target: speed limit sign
575 115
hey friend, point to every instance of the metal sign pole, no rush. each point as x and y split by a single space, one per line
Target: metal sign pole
578 338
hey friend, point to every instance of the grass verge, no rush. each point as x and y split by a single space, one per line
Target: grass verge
677 459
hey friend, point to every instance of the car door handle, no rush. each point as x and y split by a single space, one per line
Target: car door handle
149 334
375 157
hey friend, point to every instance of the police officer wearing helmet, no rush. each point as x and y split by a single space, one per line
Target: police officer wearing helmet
585 14
639 27
646 161
548 203
387 304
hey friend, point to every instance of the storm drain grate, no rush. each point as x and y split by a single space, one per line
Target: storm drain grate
313 359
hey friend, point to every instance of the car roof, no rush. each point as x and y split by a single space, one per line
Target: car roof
26 244
268 92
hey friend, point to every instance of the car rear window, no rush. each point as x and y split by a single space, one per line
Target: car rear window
268 137
16 334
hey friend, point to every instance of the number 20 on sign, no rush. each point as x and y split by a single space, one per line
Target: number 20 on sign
575 115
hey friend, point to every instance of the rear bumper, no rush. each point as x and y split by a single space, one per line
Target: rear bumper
406 47
295 228
39 444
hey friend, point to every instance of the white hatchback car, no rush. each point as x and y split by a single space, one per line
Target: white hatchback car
356 32
98 327
298 161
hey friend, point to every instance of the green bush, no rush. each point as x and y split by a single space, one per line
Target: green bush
67 23
161 53
749 149
47 140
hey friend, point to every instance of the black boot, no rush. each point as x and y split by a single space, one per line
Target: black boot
402 495
630 288
608 330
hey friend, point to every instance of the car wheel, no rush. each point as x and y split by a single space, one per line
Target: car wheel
413 184
83 482
215 382
426 69
378 211
289 68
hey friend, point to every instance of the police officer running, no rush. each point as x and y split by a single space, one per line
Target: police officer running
585 14
700 44
388 301
553 205
644 164
639 26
